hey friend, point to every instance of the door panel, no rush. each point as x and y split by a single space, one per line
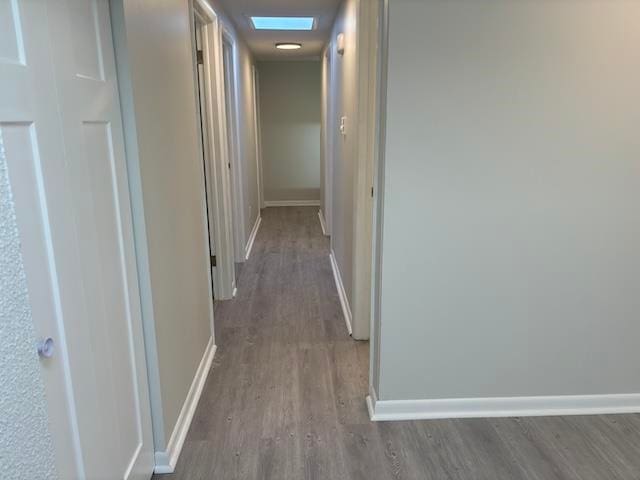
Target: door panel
206 147
12 47
87 18
61 127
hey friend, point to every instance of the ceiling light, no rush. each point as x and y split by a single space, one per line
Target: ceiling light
283 23
288 46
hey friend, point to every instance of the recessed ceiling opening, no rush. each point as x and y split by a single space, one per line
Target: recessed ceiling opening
283 23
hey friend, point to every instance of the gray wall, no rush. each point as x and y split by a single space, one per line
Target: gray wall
342 93
247 127
512 206
26 450
157 87
290 123
166 175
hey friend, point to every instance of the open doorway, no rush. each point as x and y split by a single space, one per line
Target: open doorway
209 87
199 23
233 148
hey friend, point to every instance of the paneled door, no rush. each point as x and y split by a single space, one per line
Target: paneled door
61 135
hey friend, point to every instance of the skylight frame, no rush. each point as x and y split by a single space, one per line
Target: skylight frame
283 24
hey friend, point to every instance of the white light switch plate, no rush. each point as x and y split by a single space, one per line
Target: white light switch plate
343 125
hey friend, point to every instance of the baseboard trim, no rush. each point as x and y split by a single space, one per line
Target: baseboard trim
372 399
344 301
166 461
539 406
292 203
323 223
252 237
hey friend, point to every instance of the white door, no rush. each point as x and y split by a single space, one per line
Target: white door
235 166
207 161
61 130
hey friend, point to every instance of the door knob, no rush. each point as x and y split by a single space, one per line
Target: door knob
45 348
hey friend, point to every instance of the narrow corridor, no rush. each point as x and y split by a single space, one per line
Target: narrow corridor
285 398
286 376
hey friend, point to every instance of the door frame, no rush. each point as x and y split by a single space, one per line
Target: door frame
258 133
365 189
378 163
230 79
328 127
218 181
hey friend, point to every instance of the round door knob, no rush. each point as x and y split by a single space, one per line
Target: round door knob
45 348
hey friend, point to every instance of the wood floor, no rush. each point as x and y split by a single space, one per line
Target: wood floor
285 399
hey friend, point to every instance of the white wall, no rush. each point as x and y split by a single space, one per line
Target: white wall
343 102
512 200
26 450
290 123
166 175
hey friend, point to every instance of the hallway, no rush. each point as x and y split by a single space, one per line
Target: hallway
285 399
286 378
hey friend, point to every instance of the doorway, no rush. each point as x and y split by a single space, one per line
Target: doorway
209 86
233 149
199 23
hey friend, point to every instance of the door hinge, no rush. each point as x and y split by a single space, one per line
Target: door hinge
371 192
213 261
229 164
200 57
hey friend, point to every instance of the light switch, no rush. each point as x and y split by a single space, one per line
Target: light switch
343 126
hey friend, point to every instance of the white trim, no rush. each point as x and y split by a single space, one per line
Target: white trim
252 238
322 223
258 127
231 95
366 112
379 183
206 9
292 203
216 170
329 130
341 292
166 461
387 410
372 400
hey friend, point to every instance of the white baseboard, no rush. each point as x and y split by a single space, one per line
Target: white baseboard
323 223
252 238
292 203
344 301
371 400
166 461
388 410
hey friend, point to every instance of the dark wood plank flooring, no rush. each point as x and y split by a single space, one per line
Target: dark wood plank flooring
285 398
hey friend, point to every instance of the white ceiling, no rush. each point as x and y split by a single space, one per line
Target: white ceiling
262 43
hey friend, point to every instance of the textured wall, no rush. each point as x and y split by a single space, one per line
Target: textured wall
26 451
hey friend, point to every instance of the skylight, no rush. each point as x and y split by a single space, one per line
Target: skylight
282 23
